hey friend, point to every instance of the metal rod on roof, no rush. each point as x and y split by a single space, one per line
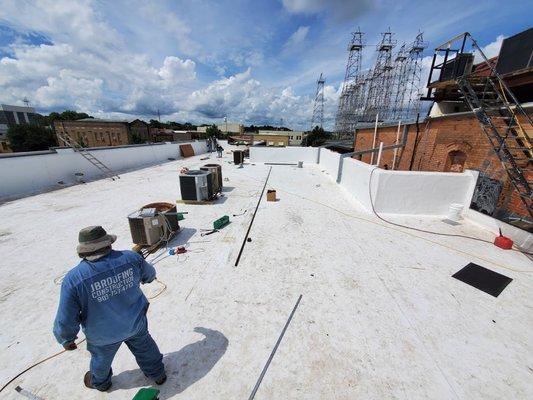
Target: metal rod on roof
253 217
396 149
374 140
379 153
263 372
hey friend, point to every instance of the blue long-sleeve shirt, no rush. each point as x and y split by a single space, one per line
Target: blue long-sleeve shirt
105 298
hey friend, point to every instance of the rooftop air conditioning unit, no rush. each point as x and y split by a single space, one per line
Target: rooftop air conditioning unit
145 227
238 157
153 223
196 185
216 171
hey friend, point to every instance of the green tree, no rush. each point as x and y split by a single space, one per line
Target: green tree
25 137
70 115
154 123
136 139
67 115
213 131
317 137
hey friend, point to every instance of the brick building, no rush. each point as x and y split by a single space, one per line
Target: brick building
451 139
280 138
140 130
95 132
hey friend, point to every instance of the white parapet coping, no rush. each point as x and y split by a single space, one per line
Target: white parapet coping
31 173
401 192
284 154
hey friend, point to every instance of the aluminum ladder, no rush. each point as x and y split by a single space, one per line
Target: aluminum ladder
108 172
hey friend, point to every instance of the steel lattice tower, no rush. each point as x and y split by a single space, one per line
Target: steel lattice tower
380 81
352 89
414 74
407 71
401 68
318 106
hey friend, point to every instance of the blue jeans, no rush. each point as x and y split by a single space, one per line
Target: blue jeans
143 347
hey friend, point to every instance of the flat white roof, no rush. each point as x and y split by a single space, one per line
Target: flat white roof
7 107
380 317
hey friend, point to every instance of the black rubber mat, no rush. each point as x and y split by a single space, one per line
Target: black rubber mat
483 279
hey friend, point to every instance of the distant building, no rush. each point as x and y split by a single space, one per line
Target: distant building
278 138
140 129
161 135
241 139
10 116
295 137
230 127
187 135
95 132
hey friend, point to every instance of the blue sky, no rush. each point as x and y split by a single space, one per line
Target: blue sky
252 61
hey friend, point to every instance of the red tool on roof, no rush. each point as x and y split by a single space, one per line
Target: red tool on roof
503 242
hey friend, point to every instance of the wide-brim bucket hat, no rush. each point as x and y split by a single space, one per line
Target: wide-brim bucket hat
94 238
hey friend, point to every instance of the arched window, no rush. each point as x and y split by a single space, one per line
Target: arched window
455 161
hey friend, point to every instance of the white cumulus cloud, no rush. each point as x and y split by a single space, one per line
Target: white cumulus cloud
296 39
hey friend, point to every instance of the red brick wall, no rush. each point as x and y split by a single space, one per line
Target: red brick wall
387 135
437 138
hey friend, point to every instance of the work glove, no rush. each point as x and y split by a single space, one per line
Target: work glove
70 346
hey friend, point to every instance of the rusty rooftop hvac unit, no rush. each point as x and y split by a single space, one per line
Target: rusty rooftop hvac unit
152 223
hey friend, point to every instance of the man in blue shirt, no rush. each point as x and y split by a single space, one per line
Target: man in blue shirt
102 294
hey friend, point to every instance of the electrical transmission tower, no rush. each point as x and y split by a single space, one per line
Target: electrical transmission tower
389 90
414 73
318 107
380 82
352 89
401 67
407 73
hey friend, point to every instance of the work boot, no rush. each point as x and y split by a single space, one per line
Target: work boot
88 381
161 380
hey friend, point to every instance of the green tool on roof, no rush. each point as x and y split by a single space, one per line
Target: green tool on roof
147 394
221 222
